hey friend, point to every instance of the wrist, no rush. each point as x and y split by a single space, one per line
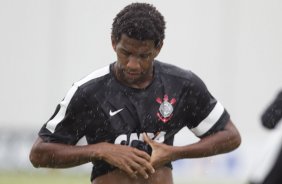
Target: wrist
175 153
170 153
97 151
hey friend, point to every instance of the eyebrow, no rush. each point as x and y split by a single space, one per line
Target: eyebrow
124 50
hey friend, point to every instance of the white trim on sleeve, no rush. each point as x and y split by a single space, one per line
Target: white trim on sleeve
209 121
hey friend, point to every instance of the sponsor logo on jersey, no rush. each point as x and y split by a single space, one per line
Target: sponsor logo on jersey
166 108
126 139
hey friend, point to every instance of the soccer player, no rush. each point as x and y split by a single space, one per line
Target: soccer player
268 170
131 110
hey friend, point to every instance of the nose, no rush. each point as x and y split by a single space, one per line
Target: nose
133 63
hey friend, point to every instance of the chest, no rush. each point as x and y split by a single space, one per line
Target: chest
144 111
156 110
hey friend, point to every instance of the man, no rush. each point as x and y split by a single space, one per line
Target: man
130 111
268 169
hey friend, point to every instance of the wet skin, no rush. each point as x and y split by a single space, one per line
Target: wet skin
161 176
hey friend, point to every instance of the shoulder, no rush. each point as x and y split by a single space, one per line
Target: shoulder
95 81
173 71
86 85
179 74
95 76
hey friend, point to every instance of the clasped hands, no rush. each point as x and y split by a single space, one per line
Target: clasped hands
136 162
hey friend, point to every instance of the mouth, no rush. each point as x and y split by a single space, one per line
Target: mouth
132 74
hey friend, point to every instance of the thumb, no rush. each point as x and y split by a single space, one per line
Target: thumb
147 139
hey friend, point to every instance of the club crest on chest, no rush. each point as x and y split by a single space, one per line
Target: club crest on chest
166 108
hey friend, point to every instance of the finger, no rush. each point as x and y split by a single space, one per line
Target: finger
148 167
140 170
142 154
146 164
147 139
134 175
130 172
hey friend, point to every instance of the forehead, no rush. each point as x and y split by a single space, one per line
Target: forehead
131 44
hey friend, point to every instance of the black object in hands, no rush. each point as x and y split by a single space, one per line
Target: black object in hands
141 146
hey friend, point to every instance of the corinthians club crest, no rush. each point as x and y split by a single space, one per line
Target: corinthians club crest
166 108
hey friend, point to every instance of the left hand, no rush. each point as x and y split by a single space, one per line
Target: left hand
160 152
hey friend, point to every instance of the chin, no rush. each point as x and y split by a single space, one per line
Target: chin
131 81
132 78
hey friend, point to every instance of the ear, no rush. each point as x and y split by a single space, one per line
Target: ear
113 43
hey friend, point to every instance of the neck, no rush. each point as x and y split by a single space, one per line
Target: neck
143 84
137 84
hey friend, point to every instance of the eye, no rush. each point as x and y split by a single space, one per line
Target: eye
125 53
144 56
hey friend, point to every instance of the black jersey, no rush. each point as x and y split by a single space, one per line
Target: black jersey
100 108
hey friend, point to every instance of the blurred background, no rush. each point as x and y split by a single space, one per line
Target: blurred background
235 46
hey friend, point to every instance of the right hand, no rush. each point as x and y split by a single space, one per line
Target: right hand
129 159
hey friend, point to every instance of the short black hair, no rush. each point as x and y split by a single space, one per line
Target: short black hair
140 21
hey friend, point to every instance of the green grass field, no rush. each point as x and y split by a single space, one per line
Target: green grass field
43 178
55 177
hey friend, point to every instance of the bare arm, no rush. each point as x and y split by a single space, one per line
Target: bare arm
221 142
55 155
